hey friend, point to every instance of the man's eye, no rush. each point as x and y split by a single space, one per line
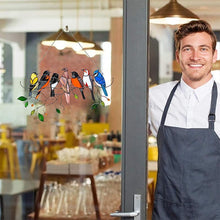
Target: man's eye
186 49
204 49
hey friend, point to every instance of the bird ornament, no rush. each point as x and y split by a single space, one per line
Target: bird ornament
100 81
88 81
64 80
33 83
77 82
43 82
53 83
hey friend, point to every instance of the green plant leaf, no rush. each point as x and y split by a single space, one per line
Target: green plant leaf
26 104
22 98
58 110
94 106
76 96
41 117
32 112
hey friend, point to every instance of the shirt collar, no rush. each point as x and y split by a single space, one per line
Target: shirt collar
199 92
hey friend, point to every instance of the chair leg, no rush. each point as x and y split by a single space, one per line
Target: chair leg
33 162
17 166
35 157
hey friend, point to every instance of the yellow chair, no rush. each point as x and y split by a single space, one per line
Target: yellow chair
4 163
153 153
94 128
71 140
44 151
9 161
152 162
52 152
36 157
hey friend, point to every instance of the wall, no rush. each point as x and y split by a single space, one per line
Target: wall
14 113
116 38
164 36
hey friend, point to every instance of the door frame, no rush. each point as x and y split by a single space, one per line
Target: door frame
135 102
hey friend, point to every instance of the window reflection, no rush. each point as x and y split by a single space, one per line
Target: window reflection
6 82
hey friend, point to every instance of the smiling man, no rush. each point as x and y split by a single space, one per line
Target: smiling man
185 117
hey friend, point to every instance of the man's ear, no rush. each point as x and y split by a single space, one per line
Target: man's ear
215 56
177 56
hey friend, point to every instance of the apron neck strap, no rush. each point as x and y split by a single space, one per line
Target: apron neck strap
211 117
168 104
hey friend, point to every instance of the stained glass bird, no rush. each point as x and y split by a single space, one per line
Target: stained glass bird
33 82
88 81
53 83
100 81
77 82
64 79
44 81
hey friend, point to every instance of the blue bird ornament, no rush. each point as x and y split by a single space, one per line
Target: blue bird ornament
100 81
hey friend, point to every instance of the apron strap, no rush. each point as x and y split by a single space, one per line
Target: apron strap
211 117
168 104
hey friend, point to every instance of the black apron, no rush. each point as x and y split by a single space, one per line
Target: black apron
188 180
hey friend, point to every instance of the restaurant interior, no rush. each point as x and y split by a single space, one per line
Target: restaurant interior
60 141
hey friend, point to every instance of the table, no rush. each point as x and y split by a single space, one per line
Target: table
45 176
15 187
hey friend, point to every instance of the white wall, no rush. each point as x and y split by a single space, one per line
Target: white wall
14 113
164 35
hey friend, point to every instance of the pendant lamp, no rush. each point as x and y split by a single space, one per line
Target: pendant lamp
83 41
60 39
91 52
172 13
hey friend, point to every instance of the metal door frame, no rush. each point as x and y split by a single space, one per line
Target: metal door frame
135 100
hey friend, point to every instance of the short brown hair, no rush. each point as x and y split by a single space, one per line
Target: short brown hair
194 27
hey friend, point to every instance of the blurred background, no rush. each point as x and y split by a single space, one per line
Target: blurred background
79 131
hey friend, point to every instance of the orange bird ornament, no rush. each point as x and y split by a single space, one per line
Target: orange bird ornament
77 82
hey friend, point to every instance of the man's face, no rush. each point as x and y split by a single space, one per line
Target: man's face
196 58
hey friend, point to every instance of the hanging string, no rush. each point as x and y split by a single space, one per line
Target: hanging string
91 20
47 51
58 36
77 15
61 13
91 34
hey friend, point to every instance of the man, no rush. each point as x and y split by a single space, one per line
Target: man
185 117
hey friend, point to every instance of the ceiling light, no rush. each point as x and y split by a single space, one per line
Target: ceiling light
172 13
60 40
91 52
83 41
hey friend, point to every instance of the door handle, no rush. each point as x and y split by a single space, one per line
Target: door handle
125 214
135 214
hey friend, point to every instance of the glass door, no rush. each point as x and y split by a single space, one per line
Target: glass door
79 188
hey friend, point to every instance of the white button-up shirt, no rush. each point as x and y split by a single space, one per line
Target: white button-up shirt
189 107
